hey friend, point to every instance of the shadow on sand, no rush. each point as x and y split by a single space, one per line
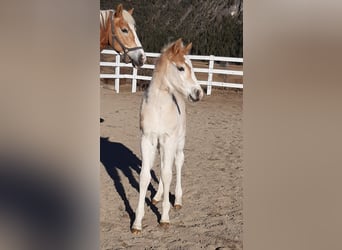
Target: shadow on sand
116 156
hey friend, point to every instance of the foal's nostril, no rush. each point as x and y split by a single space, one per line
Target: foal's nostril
198 94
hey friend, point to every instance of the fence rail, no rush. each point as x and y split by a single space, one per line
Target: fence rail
210 70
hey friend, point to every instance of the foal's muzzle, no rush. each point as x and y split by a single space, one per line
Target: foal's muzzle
196 94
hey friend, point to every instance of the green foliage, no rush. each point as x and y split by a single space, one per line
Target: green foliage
207 24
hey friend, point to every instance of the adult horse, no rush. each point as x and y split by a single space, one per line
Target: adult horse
117 29
162 122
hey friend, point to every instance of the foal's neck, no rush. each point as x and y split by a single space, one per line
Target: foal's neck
160 83
161 95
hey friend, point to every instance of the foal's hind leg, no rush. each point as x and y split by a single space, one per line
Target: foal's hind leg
158 196
148 149
179 161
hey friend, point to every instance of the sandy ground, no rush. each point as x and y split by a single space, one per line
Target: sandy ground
211 216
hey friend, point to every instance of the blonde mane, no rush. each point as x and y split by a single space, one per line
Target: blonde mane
105 16
128 17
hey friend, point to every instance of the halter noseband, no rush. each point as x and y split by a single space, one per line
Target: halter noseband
114 37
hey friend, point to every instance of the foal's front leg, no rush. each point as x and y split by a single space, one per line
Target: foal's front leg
179 160
148 149
166 176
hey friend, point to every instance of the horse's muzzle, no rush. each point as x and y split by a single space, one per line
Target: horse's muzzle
141 60
138 60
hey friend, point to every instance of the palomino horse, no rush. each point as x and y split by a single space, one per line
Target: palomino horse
162 122
117 29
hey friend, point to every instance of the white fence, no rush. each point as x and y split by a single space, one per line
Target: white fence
210 70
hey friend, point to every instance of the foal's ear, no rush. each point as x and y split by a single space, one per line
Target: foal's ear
130 11
177 46
118 11
187 49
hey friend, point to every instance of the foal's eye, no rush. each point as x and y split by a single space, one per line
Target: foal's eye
124 30
180 68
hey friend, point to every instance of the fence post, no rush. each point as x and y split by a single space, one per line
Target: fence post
117 73
134 80
210 74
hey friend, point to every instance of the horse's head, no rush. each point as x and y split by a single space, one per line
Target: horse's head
125 39
179 72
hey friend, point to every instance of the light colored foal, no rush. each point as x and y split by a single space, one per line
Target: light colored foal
163 123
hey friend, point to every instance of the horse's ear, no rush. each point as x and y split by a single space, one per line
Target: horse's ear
118 11
131 11
177 46
187 49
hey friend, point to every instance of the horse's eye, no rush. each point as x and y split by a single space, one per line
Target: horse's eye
180 68
124 30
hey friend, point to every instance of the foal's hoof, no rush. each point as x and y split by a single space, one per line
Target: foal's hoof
164 225
135 231
177 206
154 202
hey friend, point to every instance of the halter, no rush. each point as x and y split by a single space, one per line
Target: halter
175 101
114 37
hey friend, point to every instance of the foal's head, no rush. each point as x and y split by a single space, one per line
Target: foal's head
179 72
126 40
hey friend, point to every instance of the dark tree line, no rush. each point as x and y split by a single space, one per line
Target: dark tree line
214 27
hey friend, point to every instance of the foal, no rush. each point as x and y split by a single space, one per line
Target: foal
162 122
